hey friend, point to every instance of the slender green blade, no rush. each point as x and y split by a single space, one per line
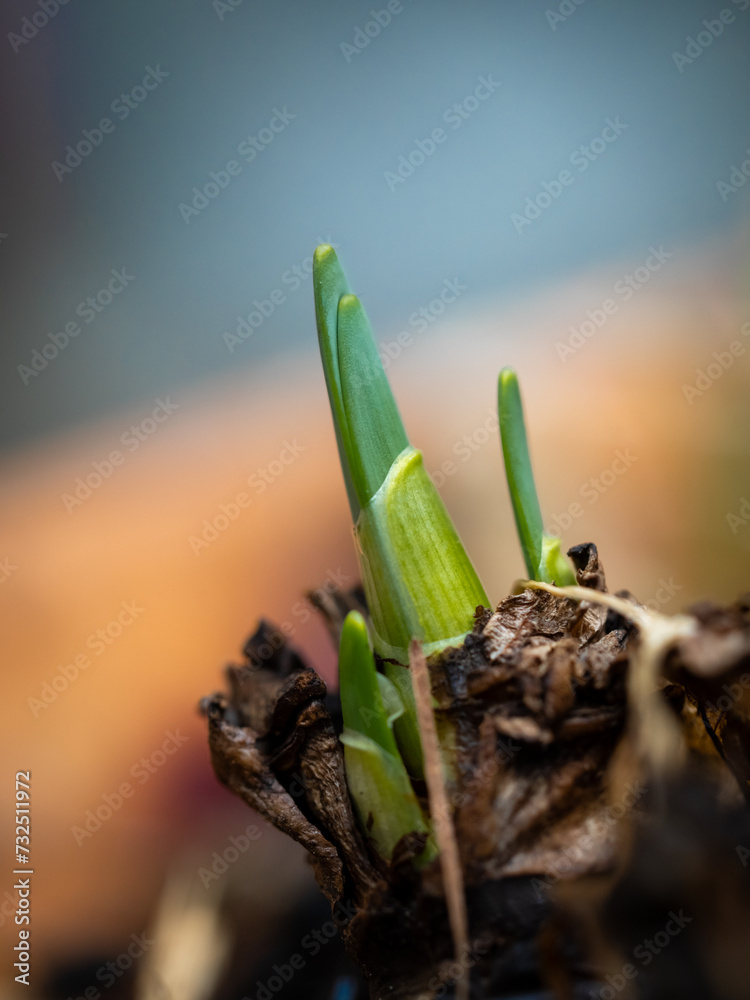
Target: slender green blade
374 423
361 700
418 580
383 796
541 552
376 777
329 284
380 707
518 470
405 726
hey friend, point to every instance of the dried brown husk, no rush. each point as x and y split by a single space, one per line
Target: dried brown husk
559 814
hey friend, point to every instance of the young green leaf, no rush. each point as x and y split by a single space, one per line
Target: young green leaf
417 577
405 725
329 284
377 779
376 433
359 689
541 552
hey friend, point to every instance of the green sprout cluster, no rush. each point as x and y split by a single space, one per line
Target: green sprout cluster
418 579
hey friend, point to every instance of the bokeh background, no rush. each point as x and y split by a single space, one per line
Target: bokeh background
637 410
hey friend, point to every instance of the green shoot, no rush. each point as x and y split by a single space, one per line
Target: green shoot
417 577
541 552
376 776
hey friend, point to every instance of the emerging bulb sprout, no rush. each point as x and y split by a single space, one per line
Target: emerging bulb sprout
544 560
417 577
378 781
418 580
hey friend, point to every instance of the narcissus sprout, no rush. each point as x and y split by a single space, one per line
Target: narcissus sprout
544 560
375 773
418 580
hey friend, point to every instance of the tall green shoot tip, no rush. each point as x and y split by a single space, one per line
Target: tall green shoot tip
541 552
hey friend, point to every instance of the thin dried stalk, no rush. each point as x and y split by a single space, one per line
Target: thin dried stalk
445 833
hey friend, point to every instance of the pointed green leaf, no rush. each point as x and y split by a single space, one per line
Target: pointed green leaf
518 470
394 707
379 707
541 552
405 726
417 577
361 702
556 567
377 779
380 788
329 284
374 425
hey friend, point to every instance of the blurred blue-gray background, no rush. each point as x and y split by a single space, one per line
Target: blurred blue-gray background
357 91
